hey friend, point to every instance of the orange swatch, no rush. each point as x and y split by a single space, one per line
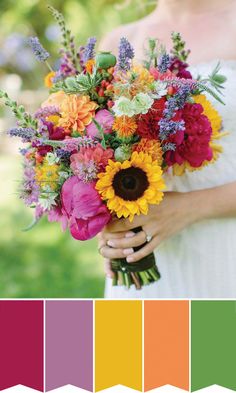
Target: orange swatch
166 344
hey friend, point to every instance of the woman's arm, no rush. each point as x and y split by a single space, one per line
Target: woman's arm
176 212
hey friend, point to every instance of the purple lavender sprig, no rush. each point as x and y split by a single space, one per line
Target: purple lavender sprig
169 127
46 111
27 134
126 54
164 62
88 52
40 53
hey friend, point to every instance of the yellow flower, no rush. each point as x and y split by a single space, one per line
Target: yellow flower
90 65
47 175
131 186
48 79
151 147
124 126
76 111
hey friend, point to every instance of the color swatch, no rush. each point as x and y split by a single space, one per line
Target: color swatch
213 325
69 344
21 344
166 344
118 344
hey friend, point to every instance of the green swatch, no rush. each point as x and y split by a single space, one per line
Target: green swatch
213 348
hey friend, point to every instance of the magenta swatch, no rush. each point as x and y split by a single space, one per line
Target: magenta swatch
69 344
21 343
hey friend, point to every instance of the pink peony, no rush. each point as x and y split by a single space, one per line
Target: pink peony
193 144
87 214
105 119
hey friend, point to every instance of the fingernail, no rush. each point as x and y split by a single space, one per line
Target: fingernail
110 243
128 251
130 259
129 234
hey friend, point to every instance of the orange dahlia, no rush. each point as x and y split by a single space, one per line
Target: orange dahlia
76 111
124 126
151 147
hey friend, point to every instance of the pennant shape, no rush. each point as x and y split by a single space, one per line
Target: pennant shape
21 344
69 344
166 343
118 344
213 348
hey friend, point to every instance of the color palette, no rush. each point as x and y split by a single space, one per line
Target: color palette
94 345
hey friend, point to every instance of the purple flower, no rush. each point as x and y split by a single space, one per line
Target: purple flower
46 111
168 127
88 51
40 53
163 63
126 54
27 134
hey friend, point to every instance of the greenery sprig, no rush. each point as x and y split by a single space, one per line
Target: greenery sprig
23 117
82 84
68 40
178 49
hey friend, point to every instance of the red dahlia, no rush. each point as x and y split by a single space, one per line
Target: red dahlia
148 124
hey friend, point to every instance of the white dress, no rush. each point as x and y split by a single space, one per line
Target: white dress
200 262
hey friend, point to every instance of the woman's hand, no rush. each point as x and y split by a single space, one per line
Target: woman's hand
176 211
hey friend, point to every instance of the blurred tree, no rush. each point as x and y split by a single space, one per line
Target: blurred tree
19 20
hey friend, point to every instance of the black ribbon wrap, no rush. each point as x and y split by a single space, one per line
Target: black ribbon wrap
142 272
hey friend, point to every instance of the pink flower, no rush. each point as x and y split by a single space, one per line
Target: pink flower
86 212
58 214
105 119
89 161
157 75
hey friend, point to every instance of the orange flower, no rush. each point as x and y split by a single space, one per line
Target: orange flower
124 126
151 147
89 66
76 111
48 79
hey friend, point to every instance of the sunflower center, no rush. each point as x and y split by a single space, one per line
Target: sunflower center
130 184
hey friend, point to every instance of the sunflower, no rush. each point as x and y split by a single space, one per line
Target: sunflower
124 126
131 186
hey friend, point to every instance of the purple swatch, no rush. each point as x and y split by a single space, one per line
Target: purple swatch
69 344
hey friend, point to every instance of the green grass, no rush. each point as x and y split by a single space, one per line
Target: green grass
44 262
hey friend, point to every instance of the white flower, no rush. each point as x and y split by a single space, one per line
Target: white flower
142 103
123 107
160 89
52 158
47 200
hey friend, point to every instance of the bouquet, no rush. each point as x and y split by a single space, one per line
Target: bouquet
99 146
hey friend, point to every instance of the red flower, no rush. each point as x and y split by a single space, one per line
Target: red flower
148 124
193 144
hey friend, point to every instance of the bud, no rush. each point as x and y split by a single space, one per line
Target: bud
123 153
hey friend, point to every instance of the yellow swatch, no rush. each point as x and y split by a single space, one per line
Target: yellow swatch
118 344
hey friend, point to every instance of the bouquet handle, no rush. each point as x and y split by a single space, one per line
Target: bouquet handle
142 272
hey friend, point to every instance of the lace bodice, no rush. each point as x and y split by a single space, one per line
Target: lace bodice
224 169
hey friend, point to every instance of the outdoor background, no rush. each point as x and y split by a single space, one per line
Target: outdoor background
44 262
